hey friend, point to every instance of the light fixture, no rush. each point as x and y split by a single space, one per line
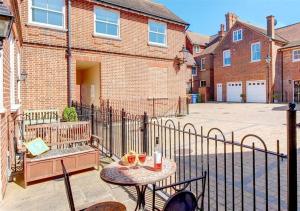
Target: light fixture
6 21
23 76
268 59
183 56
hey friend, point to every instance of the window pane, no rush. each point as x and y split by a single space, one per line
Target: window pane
40 3
56 5
157 27
112 29
100 27
112 17
100 14
152 37
107 16
55 18
39 16
161 38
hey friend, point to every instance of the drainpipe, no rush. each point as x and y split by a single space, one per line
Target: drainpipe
69 56
282 77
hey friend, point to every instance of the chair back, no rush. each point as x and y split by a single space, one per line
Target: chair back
68 187
184 200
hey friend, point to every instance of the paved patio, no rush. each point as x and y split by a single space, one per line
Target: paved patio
87 188
265 120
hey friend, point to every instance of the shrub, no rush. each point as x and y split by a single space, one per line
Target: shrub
70 115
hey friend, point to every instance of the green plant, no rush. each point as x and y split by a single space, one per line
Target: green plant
70 115
276 96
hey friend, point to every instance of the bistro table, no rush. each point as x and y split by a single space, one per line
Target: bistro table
138 176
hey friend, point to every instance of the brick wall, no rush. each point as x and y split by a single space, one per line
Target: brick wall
291 73
241 68
125 63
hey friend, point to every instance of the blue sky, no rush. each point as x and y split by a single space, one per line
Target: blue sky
205 16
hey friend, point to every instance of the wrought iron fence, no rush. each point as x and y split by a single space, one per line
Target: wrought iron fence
242 174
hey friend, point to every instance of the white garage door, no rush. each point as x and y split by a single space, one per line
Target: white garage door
256 92
234 91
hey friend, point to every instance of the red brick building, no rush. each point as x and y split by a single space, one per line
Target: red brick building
253 64
111 49
10 103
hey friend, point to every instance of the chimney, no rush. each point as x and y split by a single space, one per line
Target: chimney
231 18
222 31
271 26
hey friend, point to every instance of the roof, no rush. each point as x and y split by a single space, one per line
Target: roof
292 44
198 39
146 7
210 49
263 31
190 61
290 32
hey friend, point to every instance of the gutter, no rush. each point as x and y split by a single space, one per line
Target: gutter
69 55
281 76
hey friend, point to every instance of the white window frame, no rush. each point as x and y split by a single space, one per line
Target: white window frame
224 52
201 82
252 44
202 64
166 34
2 109
197 48
46 25
118 36
196 71
237 32
293 55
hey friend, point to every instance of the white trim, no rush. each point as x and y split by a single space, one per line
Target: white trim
166 34
237 31
293 58
252 44
2 109
226 65
201 64
45 25
98 34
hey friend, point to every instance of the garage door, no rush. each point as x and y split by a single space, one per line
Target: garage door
234 91
256 91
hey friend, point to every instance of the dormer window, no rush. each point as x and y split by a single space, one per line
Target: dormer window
197 48
237 35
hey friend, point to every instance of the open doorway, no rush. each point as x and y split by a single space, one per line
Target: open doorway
88 82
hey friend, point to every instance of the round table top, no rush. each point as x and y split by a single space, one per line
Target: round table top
116 173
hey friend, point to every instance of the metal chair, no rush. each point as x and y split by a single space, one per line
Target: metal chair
107 206
183 199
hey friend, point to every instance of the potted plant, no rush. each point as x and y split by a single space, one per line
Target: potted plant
243 98
276 97
69 115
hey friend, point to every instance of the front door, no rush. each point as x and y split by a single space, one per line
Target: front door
297 91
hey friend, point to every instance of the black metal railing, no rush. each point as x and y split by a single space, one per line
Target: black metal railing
242 174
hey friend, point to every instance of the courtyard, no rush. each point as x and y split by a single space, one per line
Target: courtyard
267 121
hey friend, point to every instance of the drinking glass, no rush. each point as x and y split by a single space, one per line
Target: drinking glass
131 159
142 158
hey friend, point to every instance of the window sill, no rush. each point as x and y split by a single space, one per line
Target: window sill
15 107
296 60
202 70
2 110
157 45
255 61
42 26
226 65
106 37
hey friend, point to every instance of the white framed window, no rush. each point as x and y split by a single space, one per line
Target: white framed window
226 58
194 71
107 22
296 55
237 35
2 109
157 33
49 13
255 52
202 64
202 83
197 48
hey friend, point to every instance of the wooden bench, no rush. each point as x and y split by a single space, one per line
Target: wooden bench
71 142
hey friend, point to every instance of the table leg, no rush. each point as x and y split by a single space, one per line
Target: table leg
140 191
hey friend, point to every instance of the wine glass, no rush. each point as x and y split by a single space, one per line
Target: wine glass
131 159
142 158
